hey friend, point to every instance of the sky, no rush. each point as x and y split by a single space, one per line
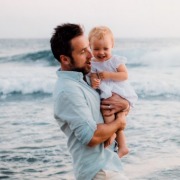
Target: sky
126 18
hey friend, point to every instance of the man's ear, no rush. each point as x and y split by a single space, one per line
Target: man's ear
64 59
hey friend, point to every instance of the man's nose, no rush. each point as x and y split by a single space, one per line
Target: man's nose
89 53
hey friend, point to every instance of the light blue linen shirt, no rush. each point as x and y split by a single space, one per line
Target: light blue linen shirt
77 111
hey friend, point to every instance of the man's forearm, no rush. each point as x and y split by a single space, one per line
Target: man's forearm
104 131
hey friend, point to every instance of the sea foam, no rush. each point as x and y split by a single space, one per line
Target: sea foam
26 79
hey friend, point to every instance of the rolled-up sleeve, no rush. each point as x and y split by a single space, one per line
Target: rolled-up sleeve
72 109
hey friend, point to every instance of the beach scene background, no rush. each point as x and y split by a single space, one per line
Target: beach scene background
32 145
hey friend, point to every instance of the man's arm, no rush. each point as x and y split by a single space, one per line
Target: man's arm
104 131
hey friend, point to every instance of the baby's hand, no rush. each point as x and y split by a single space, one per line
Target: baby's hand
104 75
95 83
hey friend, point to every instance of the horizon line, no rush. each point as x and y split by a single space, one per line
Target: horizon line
144 37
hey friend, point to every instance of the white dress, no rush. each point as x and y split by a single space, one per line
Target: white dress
122 88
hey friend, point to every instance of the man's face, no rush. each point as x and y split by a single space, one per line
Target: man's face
81 55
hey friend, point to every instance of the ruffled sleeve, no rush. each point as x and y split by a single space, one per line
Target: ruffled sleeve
119 60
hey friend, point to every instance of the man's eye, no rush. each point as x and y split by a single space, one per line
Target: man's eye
105 49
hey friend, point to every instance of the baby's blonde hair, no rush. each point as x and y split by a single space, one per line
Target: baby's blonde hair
99 32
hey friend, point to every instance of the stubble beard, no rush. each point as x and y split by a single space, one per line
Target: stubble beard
83 70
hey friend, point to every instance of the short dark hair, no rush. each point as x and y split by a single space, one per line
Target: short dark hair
61 39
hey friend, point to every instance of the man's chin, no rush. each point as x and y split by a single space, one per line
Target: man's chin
84 70
87 71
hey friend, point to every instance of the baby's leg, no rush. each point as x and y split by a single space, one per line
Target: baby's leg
122 147
108 119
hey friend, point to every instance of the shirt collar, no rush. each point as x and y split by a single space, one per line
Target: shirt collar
70 75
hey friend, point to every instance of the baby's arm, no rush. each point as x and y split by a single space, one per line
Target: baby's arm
95 81
120 75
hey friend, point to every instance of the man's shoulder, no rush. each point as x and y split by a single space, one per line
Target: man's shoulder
68 86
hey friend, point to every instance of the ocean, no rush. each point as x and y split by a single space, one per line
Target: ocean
31 143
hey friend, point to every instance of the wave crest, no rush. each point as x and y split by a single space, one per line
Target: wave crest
44 57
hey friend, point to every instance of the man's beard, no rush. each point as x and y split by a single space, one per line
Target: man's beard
82 70
78 69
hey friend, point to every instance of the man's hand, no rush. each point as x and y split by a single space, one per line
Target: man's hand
114 104
109 141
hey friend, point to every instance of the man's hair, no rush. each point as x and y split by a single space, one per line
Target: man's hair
61 39
99 32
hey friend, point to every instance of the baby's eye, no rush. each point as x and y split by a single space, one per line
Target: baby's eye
105 49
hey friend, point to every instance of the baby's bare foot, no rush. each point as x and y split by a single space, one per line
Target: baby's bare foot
123 151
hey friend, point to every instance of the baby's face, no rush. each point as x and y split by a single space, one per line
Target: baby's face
101 48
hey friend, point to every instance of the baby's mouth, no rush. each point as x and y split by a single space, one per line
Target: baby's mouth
101 57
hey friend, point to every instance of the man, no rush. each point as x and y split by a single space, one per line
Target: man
77 108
